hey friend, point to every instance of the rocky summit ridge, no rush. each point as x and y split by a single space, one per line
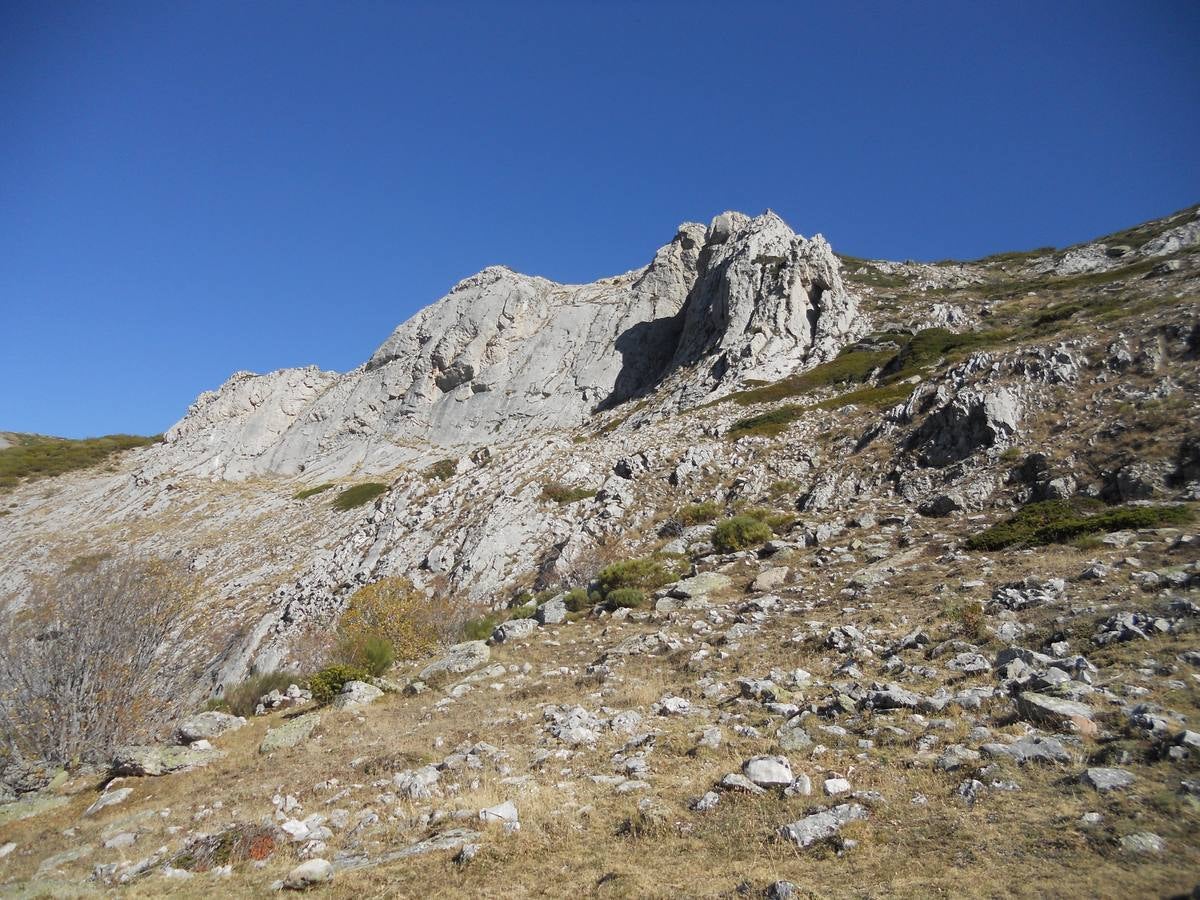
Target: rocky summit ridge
504 353
792 572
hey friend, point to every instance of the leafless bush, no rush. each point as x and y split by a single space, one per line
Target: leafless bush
80 665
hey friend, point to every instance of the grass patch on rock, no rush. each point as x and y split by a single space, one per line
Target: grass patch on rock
312 491
358 495
1061 521
33 456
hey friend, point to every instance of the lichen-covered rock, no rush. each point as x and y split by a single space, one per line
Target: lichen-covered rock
160 760
460 658
290 733
207 725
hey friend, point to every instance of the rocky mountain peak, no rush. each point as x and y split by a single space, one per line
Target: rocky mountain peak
505 352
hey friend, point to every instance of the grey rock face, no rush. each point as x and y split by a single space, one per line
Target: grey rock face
972 420
513 630
355 694
504 352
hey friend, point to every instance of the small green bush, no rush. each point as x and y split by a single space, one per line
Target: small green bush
698 513
481 628
441 470
740 532
523 612
646 574
242 699
577 600
358 495
312 491
328 683
625 598
564 493
1060 521
773 519
373 653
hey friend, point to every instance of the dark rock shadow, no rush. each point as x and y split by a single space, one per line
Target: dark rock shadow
647 350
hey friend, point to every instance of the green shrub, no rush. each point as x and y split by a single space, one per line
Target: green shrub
373 653
481 628
740 532
358 495
34 456
328 683
853 365
242 699
312 491
773 519
523 612
698 513
625 598
441 470
564 493
577 600
1059 521
646 574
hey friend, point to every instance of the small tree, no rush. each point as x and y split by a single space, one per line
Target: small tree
82 666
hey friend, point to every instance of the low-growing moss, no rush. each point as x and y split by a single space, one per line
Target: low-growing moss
312 491
766 424
358 495
1059 521
739 533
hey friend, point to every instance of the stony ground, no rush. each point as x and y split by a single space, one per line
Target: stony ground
862 706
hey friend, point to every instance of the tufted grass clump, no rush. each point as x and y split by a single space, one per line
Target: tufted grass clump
312 491
741 532
355 496
625 598
699 513
1060 521
241 699
441 470
558 492
481 627
768 424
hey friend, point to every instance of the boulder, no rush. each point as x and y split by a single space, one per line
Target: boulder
355 694
460 658
290 733
821 826
699 585
513 630
768 771
207 725
160 760
308 874
552 612
1056 712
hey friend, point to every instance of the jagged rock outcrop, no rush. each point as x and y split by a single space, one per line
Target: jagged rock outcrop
504 353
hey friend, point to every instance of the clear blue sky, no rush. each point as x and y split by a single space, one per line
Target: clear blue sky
192 188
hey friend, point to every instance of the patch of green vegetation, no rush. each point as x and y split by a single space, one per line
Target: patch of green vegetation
33 456
440 470
523 612
358 495
312 491
699 513
564 493
849 367
1016 255
1059 521
930 345
874 397
328 683
241 699
577 600
773 519
625 598
1059 313
647 573
766 424
481 628
739 533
